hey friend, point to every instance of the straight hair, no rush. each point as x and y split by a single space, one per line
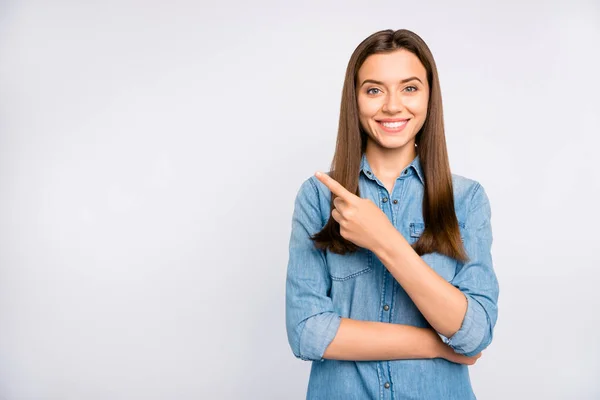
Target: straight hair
441 232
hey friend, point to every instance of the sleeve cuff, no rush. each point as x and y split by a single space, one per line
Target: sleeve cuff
317 334
470 335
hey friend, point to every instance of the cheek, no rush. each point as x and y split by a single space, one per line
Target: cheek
367 108
417 105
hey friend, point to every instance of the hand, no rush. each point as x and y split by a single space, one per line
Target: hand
361 221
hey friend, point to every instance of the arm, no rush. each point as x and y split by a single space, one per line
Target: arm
442 304
373 341
314 329
370 340
464 311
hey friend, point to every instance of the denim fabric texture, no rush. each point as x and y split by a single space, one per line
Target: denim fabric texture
322 287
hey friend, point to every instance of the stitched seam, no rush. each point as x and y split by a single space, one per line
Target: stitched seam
364 271
299 339
318 202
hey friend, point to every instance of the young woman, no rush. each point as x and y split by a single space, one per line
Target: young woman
390 286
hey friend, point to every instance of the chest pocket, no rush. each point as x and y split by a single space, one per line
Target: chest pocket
445 266
350 265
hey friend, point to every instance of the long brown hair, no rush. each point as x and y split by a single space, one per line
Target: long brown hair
441 232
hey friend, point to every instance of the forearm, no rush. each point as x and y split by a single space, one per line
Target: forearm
358 340
443 305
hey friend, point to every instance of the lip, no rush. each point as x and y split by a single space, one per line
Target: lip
393 130
392 119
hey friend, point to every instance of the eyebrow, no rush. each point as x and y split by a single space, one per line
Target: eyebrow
381 83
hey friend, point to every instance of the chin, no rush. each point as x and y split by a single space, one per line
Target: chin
394 143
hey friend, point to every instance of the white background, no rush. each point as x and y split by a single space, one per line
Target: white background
150 153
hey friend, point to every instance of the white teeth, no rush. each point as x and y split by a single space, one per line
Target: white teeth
393 124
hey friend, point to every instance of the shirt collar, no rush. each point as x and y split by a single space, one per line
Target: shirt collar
413 167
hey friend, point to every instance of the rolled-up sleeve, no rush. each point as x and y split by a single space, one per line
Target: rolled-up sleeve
477 280
311 322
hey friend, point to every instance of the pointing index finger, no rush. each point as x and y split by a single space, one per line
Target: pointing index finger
335 187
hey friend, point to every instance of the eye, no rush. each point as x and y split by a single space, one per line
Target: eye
369 90
411 87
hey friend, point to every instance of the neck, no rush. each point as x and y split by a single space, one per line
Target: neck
389 163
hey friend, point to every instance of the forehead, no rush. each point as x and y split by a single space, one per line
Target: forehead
392 67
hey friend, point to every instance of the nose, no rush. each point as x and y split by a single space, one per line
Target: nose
393 103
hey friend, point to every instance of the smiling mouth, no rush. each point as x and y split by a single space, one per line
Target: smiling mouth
393 126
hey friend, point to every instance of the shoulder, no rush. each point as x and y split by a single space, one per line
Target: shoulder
470 201
469 194
313 189
464 186
314 197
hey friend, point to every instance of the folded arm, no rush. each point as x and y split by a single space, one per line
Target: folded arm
315 331
463 311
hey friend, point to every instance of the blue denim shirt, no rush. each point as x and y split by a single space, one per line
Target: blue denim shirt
322 287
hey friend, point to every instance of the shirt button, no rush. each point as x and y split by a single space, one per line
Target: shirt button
368 172
386 307
395 201
385 199
405 172
386 385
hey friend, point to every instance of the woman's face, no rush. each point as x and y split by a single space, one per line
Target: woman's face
392 95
